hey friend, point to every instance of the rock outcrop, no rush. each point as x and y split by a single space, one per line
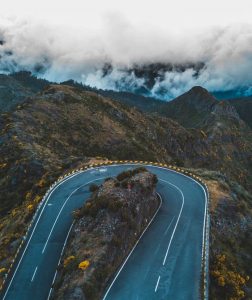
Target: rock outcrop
106 229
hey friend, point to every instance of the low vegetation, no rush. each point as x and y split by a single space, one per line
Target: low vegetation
62 127
230 238
109 222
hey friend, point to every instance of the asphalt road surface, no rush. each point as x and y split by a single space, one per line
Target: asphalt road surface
165 264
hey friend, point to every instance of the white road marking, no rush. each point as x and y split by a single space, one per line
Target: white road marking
49 204
34 273
175 227
88 170
49 295
204 227
63 181
168 227
56 186
161 201
157 284
62 209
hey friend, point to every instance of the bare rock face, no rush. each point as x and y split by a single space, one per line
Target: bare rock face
106 229
76 294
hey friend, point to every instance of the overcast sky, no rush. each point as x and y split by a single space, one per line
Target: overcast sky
74 38
174 15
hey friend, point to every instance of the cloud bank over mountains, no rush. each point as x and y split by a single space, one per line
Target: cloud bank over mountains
120 56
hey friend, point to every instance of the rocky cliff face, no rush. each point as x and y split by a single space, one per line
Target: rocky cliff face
106 229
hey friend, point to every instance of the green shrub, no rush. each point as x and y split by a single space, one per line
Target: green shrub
117 184
124 183
93 187
155 179
130 173
139 170
115 205
124 175
107 179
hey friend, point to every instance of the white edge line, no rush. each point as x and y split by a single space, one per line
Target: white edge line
175 227
107 166
44 205
62 207
50 193
156 287
202 186
60 260
161 201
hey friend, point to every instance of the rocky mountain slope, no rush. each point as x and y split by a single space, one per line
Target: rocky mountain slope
244 108
63 125
111 221
230 237
17 87
196 103
52 131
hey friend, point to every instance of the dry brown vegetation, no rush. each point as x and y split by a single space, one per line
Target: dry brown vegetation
63 126
230 238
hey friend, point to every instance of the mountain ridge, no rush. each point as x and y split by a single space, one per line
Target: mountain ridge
62 127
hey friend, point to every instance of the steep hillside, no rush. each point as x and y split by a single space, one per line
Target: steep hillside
17 87
244 108
63 125
230 237
12 93
191 108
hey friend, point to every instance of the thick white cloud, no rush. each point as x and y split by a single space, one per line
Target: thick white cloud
73 39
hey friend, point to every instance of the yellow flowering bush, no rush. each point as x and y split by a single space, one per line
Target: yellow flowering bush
228 280
68 260
37 199
3 270
84 265
30 207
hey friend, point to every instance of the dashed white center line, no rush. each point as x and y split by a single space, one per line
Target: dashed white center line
62 207
169 226
34 273
157 284
183 201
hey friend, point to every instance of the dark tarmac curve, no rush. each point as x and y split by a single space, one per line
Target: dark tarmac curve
165 264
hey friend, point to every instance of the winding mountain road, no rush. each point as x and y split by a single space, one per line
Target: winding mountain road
165 264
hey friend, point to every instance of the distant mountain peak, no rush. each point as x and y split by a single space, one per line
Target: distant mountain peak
198 108
198 93
200 90
197 97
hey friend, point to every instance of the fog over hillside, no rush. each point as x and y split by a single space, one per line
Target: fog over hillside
120 55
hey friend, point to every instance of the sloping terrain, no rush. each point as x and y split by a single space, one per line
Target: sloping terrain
16 88
230 237
50 132
196 103
63 125
244 108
